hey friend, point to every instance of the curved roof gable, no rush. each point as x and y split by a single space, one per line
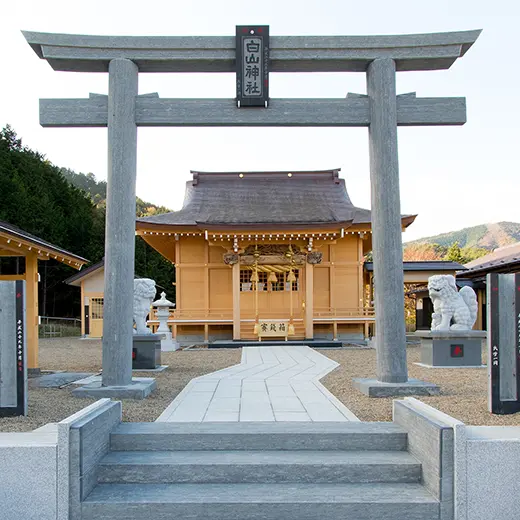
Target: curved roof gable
232 198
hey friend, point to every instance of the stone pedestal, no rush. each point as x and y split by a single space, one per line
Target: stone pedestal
375 388
146 351
168 344
138 388
451 348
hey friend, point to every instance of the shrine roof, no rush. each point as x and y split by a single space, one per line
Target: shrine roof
501 259
311 198
16 239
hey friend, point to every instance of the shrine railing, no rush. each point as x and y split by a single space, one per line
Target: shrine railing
227 314
195 314
344 313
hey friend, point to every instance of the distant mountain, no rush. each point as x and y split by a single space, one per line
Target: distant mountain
486 236
97 190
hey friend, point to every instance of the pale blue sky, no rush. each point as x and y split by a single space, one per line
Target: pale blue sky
473 168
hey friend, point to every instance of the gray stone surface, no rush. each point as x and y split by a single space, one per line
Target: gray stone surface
88 442
386 223
69 459
83 53
8 388
259 467
493 459
375 388
431 441
147 349
28 476
346 112
272 383
120 227
507 324
258 436
445 334
261 501
57 379
138 388
436 348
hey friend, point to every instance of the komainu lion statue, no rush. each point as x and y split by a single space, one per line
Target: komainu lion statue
144 294
452 310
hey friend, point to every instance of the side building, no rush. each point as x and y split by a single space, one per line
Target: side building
502 260
266 250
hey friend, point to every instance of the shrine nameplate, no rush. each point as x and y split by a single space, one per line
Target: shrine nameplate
273 328
252 59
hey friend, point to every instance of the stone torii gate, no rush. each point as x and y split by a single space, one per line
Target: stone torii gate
381 110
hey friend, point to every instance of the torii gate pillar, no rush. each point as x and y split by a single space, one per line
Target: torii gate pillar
386 222
387 246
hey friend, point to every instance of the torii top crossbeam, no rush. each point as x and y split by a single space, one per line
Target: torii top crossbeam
82 53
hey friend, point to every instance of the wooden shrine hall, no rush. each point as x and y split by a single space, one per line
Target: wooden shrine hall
266 254
15 242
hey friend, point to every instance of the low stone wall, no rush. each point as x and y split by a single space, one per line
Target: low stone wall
430 440
492 472
29 475
88 442
485 475
45 473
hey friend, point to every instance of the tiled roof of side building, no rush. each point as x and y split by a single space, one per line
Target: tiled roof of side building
501 257
425 265
85 272
231 198
24 235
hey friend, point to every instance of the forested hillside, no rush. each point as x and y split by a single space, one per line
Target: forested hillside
486 236
98 192
66 209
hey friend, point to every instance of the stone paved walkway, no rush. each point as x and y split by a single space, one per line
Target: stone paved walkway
278 383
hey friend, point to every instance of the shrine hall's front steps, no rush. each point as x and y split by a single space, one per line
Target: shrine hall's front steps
259 471
239 343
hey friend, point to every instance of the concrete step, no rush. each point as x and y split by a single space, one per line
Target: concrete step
260 502
258 467
165 436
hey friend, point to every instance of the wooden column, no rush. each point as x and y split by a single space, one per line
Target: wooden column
309 301
82 315
332 279
206 276
236 301
177 273
206 333
361 281
31 279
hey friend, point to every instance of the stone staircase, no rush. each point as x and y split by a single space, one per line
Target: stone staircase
253 471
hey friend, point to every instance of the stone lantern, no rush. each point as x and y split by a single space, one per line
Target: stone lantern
163 313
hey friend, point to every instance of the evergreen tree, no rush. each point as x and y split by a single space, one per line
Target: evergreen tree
68 210
454 253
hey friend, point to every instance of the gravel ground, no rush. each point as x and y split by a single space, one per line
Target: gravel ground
75 355
463 390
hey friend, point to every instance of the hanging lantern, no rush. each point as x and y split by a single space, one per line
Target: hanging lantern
291 276
254 276
272 277
255 329
291 329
